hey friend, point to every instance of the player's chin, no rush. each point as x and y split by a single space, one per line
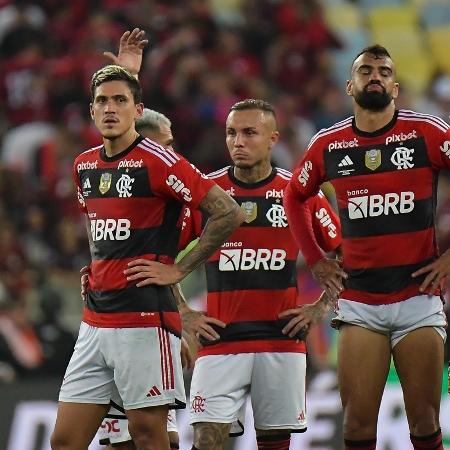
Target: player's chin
242 163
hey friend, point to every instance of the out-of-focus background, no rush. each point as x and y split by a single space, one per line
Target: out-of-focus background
203 56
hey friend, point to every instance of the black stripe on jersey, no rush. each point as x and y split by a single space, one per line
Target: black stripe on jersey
140 187
384 280
140 242
338 166
420 218
151 298
250 331
236 280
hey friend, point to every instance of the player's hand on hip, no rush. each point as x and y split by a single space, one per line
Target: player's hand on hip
302 318
330 275
152 272
84 281
199 325
437 272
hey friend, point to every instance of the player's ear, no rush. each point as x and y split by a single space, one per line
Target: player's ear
91 110
349 87
274 138
139 110
395 90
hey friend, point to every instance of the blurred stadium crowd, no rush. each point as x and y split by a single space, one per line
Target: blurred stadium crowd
203 56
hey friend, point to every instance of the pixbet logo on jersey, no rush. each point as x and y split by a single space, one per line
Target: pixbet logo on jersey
343 144
379 204
249 258
87 166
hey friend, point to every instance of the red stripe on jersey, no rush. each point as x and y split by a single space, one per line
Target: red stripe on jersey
250 305
283 346
170 320
107 274
148 212
409 248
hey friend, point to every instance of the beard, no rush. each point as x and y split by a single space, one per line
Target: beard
373 101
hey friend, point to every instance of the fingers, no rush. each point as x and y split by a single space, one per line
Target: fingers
294 326
112 57
85 269
287 313
208 333
422 271
142 262
215 321
432 279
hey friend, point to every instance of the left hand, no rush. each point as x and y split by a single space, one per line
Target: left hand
152 272
186 356
130 51
437 272
302 319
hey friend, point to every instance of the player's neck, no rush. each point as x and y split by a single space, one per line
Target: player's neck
370 121
253 174
115 146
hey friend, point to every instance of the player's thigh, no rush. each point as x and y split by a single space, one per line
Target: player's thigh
219 387
419 360
278 391
364 358
149 421
85 417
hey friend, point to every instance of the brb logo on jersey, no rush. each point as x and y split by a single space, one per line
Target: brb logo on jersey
379 204
249 258
179 187
110 229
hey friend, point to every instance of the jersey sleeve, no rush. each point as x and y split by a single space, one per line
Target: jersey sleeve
172 176
80 199
325 223
305 183
438 145
191 226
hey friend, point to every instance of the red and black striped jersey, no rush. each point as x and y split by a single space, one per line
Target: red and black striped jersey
133 203
385 185
251 278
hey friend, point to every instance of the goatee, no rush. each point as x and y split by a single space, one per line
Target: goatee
373 101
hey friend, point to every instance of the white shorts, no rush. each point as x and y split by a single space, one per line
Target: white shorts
275 382
142 364
395 320
114 428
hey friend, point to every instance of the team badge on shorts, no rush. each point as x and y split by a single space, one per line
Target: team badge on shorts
105 182
251 211
373 159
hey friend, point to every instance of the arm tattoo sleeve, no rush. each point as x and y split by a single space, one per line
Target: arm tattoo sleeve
224 217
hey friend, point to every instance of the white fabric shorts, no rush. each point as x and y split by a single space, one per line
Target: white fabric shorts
275 382
143 365
395 320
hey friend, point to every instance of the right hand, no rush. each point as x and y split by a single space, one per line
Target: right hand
198 324
130 51
330 275
84 271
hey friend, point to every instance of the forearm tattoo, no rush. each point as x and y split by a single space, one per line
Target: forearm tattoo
178 294
225 217
210 436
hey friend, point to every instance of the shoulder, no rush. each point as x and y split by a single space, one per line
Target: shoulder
157 154
219 173
325 136
423 120
283 174
88 154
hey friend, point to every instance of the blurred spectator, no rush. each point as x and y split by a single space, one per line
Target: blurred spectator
20 349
